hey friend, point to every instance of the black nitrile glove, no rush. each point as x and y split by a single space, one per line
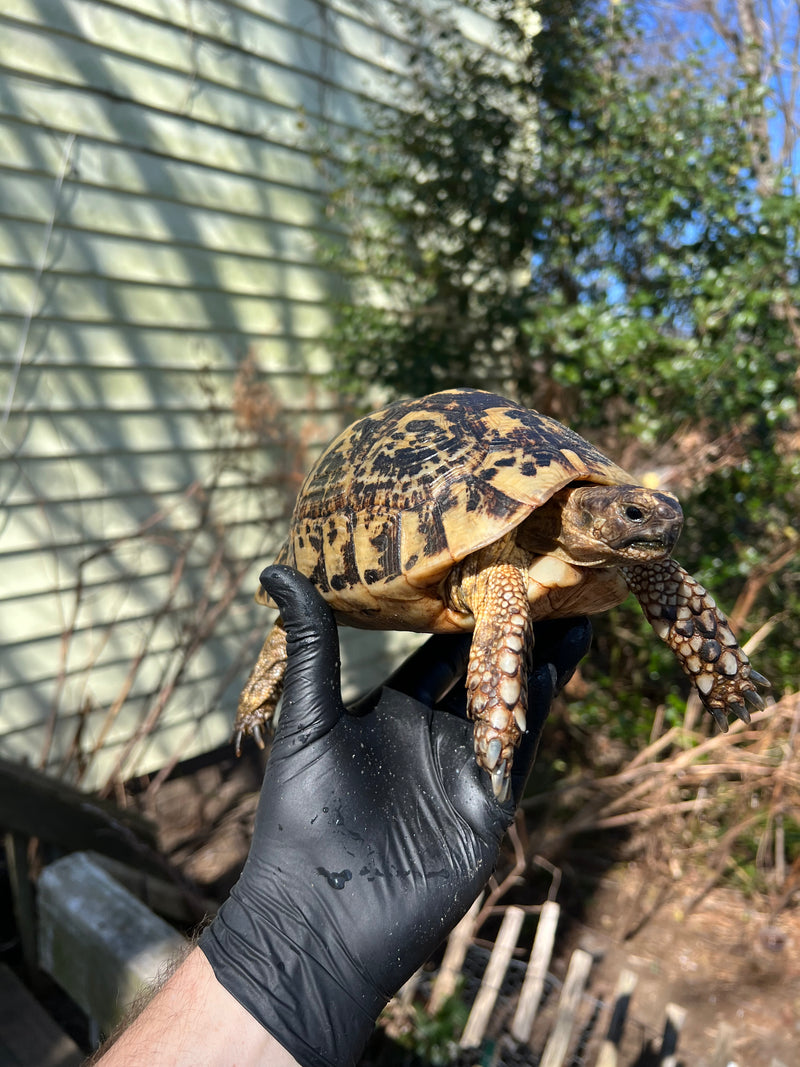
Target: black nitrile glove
375 832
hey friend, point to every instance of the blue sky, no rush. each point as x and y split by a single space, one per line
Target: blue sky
716 27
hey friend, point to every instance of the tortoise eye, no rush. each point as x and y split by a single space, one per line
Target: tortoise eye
633 513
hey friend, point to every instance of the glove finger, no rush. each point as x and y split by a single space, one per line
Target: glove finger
564 643
312 699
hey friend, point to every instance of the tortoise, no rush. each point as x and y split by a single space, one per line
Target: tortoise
464 511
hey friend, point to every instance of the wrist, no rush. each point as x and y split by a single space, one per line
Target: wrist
300 983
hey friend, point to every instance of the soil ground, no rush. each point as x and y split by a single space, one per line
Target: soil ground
731 963
732 966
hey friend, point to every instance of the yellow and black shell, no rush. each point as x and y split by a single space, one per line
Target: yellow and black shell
405 493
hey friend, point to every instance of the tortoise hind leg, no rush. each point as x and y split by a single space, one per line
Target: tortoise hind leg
262 690
497 675
686 617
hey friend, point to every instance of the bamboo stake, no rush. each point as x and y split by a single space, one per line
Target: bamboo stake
533 985
406 993
555 1051
608 1054
723 1046
458 943
675 1018
493 978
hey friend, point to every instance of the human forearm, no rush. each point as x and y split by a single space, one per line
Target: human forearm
193 1021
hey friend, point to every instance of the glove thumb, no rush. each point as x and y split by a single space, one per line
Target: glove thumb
312 698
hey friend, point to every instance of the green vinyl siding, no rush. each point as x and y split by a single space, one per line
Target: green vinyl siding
159 211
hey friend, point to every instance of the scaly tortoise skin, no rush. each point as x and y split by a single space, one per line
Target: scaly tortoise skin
463 511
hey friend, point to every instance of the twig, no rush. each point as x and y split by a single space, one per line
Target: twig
721 856
756 760
757 579
513 877
648 815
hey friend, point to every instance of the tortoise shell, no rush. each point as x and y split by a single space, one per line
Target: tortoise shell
406 492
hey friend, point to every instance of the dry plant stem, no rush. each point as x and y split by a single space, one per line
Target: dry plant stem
763 632
755 760
639 775
781 779
721 856
655 748
756 581
234 672
694 710
69 630
588 785
658 723
644 816
514 876
206 541
554 872
136 662
207 617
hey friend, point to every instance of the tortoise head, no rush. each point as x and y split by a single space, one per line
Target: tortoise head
601 525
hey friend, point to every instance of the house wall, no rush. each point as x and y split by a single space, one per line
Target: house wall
162 355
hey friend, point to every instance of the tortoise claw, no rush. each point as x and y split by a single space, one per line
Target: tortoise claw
720 719
501 781
255 733
754 699
740 711
492 755
759 679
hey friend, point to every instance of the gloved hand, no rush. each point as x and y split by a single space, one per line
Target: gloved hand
375 832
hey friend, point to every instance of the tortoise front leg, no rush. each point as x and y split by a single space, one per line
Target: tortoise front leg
686 617
263 688
497 674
